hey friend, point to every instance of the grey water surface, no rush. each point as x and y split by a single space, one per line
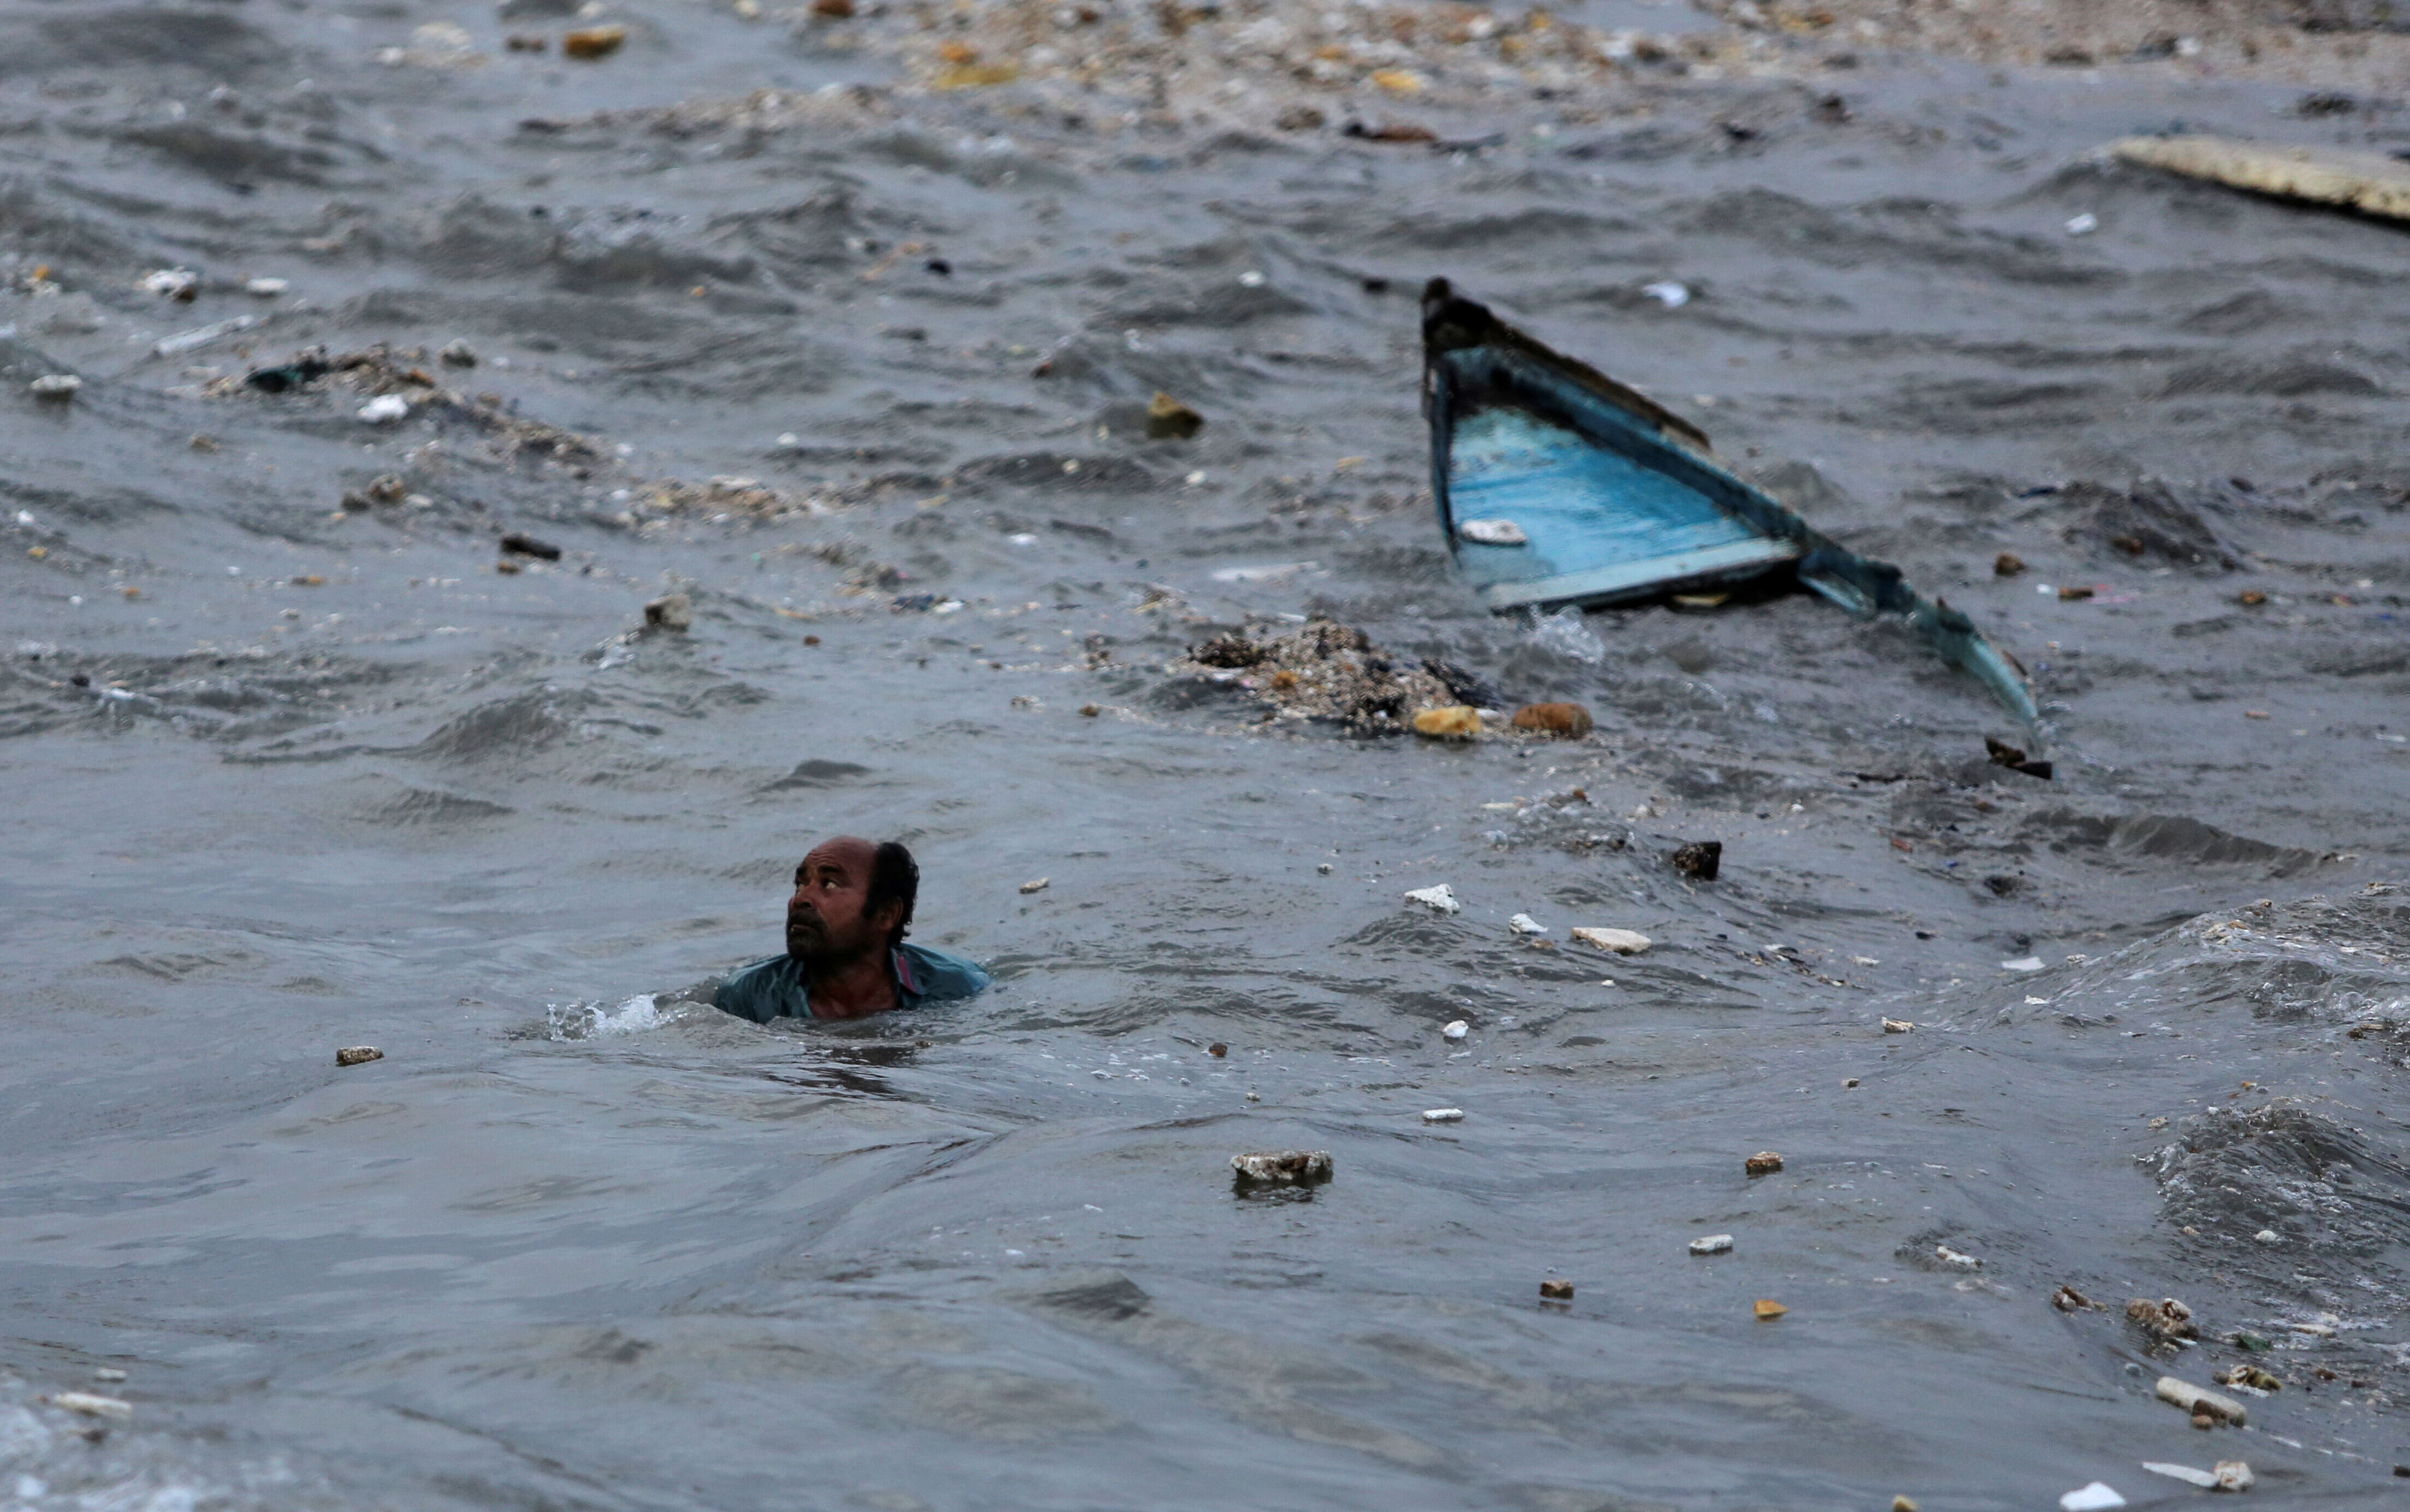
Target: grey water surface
578 1242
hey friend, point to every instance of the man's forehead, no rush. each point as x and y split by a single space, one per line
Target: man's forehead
847 851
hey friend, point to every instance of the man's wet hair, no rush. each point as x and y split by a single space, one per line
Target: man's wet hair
894 877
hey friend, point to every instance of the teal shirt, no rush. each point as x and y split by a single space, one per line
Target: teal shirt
774 988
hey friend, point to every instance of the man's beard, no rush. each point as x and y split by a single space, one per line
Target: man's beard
818 947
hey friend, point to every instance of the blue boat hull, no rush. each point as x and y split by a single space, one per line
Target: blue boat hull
1581 491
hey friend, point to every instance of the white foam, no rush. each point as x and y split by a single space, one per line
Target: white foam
639 1014
1564 633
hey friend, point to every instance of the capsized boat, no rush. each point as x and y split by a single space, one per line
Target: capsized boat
1557 486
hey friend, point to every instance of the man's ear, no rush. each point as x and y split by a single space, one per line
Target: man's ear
882 919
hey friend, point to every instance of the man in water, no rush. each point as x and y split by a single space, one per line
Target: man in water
846 957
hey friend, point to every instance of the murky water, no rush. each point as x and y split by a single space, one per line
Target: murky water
289 773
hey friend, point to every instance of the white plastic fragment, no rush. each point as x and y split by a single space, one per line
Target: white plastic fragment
1438 899
1951 1257
2268 1236
1712 1245
2096 1497
1492 532
92 1405
1898 1026
2203 1478
1457 1029
2234 1475
1666 292
55 385
200 336
265 288
1621 942
2022 963
2083 224
172 282
108 1372
1523 924
1443 1115
384 409
2196 1401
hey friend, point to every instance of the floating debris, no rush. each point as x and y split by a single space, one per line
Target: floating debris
2014 758
1523 924
2166 1318
1492 532
673 612
528 546
1712 1245
1956 1258
1035 884
1282 1168
1168 419
357 1055
264 288
2372 184
1618 941
1557 1290
2205 1479
1567 720
1768 1310
1898 1026
593 42
2069 1300
55 386
92 1405
2200 1402
458 354
1455 1030
1324 669
1763 1163
1456 721
384 409
178 283
2096 1497
1701 859
1443 1115
2008 564
1439 898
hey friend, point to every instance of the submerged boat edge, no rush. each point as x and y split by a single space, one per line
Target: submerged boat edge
1457 329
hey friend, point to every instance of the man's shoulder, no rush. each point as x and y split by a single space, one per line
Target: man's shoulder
758 992
932 975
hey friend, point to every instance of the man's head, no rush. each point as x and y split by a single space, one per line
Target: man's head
851 898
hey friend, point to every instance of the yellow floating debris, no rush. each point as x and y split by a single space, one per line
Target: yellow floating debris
1399 80
1766 1310
1458 721
2369 183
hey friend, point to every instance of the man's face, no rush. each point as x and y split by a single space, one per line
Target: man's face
826 921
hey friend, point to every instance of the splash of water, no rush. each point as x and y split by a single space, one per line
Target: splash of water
1564 633
639 1014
